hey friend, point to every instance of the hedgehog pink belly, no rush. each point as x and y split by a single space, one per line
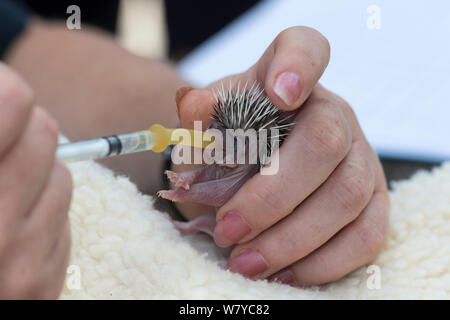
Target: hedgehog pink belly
211 185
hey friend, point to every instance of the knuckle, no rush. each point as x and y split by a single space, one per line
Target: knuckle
292 249
329 137
347 109
327 268
355 188
326 271
270 199
345 105
371 238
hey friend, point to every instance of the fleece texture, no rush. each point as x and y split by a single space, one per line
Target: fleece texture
125 249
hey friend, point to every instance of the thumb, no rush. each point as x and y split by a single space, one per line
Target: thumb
194 105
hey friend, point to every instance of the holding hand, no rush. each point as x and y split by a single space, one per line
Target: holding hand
325 212
35 193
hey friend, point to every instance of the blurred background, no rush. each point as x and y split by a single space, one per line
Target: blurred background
153 28
390 60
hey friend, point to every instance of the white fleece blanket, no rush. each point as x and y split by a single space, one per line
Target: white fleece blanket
125 249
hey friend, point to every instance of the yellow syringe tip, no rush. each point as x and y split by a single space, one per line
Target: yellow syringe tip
165 137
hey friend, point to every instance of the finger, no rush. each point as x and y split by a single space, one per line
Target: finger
289 69
334 259
56 275
50 213
355 245
195 105
181 92
16 99
45 238
337 202
49 268
26 168
292 65
314 148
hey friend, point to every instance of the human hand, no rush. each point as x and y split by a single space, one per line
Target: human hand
325 212
35 193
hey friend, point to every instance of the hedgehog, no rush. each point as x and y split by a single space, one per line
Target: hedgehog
246 108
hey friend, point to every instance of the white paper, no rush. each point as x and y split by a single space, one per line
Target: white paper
397 77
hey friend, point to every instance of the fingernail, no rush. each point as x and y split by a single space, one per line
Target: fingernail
230 229
249 264
181 92
287 86
284 276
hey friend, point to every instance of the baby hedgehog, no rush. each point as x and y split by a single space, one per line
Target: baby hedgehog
214 184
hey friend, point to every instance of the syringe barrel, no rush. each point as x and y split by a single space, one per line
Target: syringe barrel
106 146
83 150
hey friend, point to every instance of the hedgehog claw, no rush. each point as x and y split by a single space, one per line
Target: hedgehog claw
180 180
211 185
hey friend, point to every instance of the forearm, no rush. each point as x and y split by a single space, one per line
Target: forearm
93 88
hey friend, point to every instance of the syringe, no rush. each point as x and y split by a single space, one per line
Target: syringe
157 138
